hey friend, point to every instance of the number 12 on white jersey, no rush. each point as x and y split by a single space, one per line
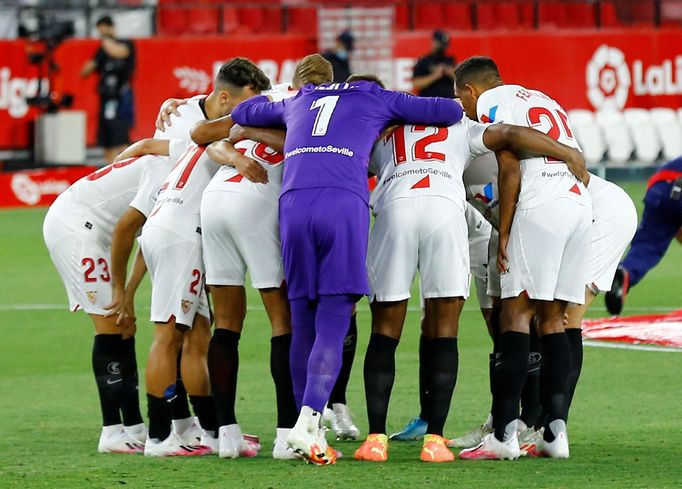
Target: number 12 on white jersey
326 106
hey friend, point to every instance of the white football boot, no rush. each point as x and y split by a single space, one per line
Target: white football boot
280 449
173 446
342 423
307 438
188 429
492 449
557 448
209 440
137 432
114 439
474 437
232 443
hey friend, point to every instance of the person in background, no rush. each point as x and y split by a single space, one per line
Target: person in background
114 61
338 57
434 74
661 222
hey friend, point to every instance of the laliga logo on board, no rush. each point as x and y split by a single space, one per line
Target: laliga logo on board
30 192
609 78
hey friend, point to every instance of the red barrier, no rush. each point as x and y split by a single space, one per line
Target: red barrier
592 70
36 188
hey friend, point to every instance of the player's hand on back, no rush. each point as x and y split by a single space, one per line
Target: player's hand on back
576 165
170 106
249 169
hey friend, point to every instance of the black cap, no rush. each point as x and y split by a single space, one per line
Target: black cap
442 37
347 39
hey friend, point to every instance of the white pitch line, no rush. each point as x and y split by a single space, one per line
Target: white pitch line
627 346
59 307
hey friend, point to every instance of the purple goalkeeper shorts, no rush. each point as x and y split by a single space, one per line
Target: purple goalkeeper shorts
324 234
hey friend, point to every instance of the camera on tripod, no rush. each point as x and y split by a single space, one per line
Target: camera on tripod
43 42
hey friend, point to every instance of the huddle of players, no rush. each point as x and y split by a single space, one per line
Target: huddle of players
419 206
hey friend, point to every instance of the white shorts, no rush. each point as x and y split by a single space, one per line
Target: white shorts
240 232
484 300
494 288
425 233
81 257
614 222
479 237
177 272
549 252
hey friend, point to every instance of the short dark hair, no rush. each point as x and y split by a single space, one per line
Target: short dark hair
238 73
477 69
105 20
365 77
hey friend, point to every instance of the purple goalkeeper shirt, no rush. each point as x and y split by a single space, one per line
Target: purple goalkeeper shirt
331 129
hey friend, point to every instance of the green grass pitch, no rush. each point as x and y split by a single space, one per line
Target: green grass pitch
625 424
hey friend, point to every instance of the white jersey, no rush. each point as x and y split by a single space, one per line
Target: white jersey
190 114
100 198
228 179
542 179
425 160
480 183
179 201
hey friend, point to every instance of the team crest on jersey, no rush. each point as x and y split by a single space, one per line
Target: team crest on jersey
487 195
185 305
490 116
92 296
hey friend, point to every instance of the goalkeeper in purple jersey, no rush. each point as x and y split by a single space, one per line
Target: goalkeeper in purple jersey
324 218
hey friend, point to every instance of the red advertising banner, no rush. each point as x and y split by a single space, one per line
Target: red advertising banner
36 188
590 70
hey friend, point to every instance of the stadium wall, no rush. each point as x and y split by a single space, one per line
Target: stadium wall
590 70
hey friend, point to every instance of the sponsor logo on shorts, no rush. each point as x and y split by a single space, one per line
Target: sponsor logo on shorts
186 305
92 296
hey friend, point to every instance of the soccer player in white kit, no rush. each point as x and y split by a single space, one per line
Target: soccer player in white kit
171 244
543 254
196 109
239 222
240 231
77 231
419 204
180 122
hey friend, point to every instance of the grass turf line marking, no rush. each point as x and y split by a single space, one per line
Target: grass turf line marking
59 307
628 346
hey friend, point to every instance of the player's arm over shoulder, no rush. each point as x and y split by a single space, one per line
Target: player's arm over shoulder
260 112
406 108
150 146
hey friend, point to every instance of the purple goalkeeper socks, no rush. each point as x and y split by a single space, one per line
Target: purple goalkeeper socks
332 321
302 339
